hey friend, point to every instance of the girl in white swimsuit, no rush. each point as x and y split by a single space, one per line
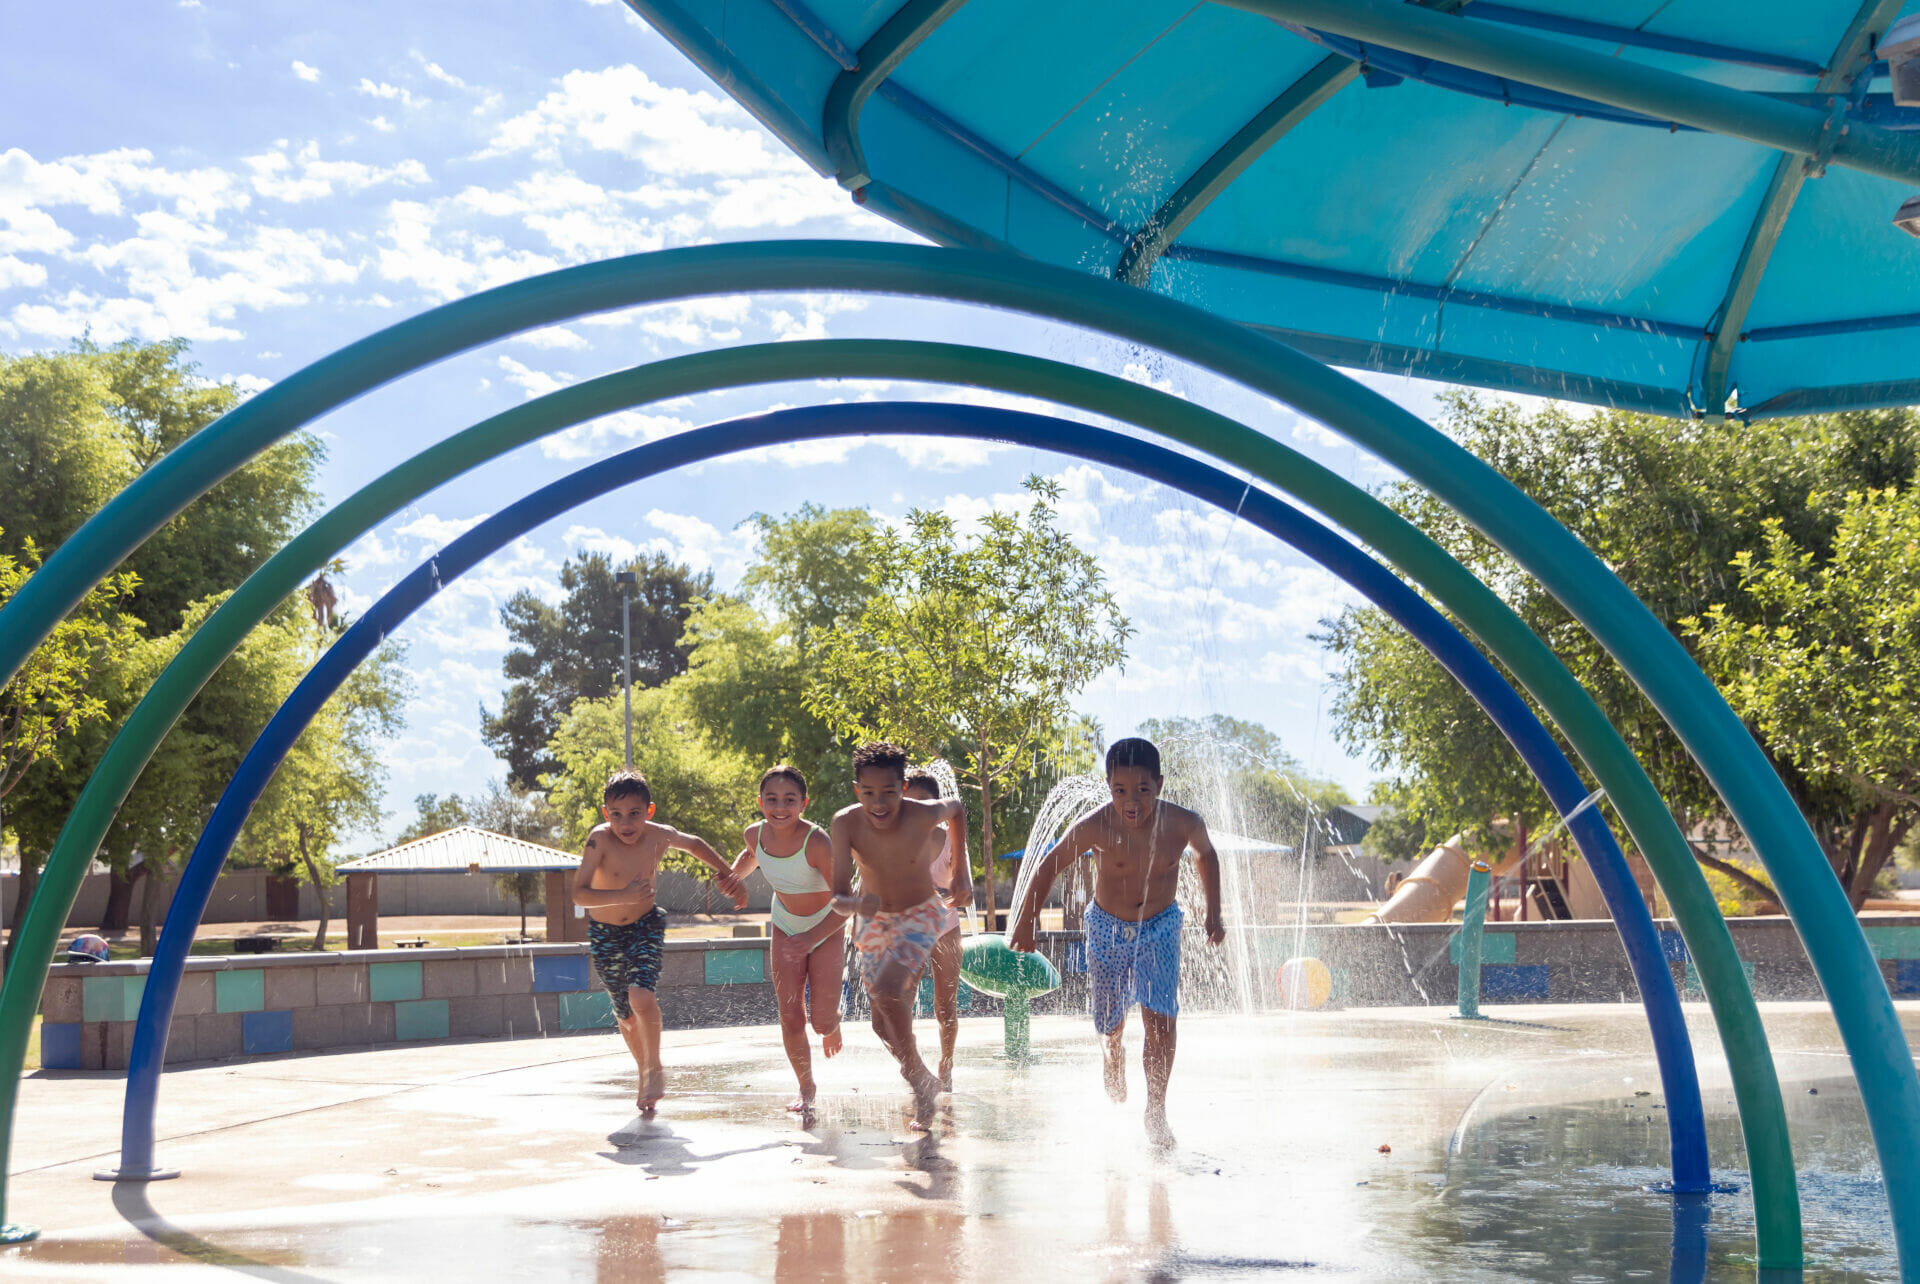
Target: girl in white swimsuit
809 939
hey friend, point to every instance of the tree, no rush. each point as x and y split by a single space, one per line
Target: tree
56 692
699 785
573 651
76 427
1670 506
977 646
330 782
1241 775
434 815
1828 674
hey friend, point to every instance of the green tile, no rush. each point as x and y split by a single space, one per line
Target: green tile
1692 988
421 1019
1894 942
586 1010
1495 947
736 967
242 991
393 982
111 998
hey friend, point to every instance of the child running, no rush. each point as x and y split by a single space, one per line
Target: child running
953 878
891 837
809 936
626 931
1133 926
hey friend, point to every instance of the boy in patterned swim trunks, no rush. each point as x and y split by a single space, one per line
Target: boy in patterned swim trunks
626 931
1133 926
889 835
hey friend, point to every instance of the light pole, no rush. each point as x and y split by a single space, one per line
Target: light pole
627 580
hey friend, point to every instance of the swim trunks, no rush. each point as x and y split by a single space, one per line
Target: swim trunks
902 937
1129 962
627 955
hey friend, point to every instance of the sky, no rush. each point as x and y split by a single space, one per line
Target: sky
273 182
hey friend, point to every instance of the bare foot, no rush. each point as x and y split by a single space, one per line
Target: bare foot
803 1104
653 1086
830 1043
1116 1075
1157 1130
946 1076
926 1096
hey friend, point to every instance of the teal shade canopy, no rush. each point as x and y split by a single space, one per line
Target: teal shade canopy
1677 206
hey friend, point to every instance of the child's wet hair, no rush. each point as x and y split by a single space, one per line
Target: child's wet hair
881 754
926 780
1134 752
784 771
627 783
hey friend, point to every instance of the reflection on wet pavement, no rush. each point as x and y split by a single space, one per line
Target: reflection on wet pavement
1516 1153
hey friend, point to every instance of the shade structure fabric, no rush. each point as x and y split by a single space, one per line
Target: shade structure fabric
464 849
1388 210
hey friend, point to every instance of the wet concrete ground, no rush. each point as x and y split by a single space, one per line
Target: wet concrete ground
1519 1151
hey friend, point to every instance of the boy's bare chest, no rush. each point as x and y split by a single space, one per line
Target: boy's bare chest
901 849
1139 857
620 864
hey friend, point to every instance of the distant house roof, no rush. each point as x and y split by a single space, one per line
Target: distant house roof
463 850
1350 821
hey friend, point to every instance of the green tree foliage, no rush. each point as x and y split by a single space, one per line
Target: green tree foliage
1240 775
331 781
1818 654
502 809
973 646
76 427
57 693
700 785
573 651
433 815
1670 506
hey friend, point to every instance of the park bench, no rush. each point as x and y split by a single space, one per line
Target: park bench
412 943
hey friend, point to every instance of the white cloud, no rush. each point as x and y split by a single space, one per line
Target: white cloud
303 176
674 132
390 93
608 433
382 124
17 273
535 383
552 336
688 539
448 262
436 72
439 531
305 72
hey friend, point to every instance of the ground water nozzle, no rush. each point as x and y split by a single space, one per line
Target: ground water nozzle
991 966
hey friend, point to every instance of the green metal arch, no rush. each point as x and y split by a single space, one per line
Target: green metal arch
1478 608
1862 1007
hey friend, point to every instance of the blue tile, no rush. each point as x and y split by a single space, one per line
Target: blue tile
1514 981
1906 980
561 973
59 1045
262 1032
1076 959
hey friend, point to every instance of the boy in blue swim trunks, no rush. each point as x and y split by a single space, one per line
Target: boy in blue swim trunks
626 931
1133 925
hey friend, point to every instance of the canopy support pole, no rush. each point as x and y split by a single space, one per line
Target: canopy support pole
1556 65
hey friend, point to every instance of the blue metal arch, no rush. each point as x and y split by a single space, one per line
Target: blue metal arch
1503 705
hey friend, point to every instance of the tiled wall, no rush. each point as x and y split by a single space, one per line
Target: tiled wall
232 1007
1579 962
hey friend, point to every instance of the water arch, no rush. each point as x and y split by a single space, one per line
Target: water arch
1502 704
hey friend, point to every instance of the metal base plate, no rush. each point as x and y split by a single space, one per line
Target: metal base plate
136 1174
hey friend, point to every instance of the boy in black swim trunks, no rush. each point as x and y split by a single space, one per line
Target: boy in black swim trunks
626 931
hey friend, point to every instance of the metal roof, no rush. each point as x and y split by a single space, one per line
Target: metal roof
1664 205
463 850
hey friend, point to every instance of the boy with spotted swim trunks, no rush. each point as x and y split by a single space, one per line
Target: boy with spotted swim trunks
1133 925
954 879
626 931
890 836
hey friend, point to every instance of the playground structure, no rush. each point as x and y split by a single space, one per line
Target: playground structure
1833 940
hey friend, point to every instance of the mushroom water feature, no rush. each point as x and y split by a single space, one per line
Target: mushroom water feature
991 966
